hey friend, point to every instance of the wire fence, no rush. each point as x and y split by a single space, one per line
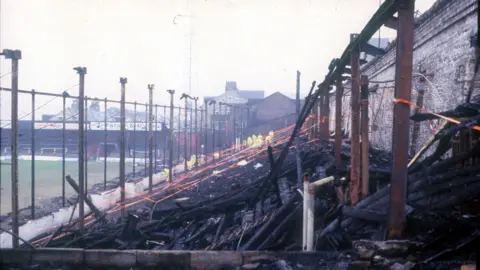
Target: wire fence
48 144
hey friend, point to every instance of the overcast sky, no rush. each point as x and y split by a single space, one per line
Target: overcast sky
258 43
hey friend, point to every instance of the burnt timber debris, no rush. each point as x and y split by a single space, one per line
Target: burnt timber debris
216 215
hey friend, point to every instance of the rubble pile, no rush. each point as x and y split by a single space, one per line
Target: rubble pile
246 202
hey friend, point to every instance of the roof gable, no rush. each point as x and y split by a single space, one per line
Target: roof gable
251 94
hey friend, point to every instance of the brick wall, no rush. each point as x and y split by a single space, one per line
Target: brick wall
275 112
442 48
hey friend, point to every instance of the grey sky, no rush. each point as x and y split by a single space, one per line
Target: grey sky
259 44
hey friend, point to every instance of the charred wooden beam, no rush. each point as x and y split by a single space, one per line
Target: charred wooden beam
391 23
129 228
372 50
75 187
270 225
363 214
280 228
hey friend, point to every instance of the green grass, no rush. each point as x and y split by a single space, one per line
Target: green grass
48 180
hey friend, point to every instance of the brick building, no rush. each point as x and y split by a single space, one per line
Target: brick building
272 113
443 53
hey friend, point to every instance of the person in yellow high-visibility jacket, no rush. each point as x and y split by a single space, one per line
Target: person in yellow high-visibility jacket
268 140
166 172
259 140
249 141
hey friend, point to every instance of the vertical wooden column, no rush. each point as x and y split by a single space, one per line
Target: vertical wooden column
326 116
401 121
364 135
338 121
355 124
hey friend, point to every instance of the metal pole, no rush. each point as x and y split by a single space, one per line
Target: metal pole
225 143
185 135
165 139
178 133
1 152
33 154
86 145
241 125
191 134
220 140
170 159
297 92
298 158
105 146
155 138
123 81
338 121
81 146
247 121
213 130
150 138
14 55
306 206
196 133
401 113
206 132
364 135
134 135
146 140
355 124
201 140
234 110
64 99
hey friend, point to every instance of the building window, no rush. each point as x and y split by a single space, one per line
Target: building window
229 99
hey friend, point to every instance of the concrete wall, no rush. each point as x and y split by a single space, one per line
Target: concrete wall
442 48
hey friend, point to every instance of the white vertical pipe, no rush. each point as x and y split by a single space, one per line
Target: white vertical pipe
306 198
310 219
308 210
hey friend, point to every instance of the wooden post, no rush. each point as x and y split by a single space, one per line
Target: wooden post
355 124
338 121
364 135
401 123
326 113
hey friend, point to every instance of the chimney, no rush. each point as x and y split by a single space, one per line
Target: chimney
231 86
